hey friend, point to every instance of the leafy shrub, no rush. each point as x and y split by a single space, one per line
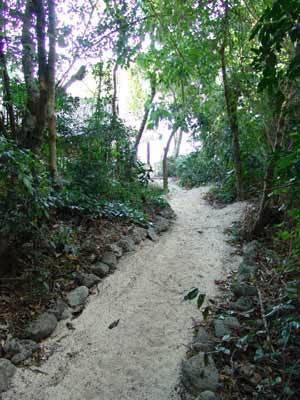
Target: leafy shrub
172 168
224 191
120 200
24 190
198 169
91 182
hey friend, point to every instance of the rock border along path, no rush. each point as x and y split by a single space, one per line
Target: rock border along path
139 358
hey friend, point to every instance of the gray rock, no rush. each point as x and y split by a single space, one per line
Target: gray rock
89 246
242 289
19 350
11 346
201 341
198 376
272 257
78 296
89 280
152 235
100 269
7 371
66 314
42 327
225 326
109 258
161 224
207 395
167 212
58 308
138 234
250 251
246 271
117 250
127 244
242 304
25 353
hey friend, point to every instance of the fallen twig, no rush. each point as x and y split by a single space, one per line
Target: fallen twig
38 371
264 319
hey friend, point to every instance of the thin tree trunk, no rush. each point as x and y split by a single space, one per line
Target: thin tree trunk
99 89
269 174
115 89
165 160
51 90
145 118
148 154
2 124
231 106
78 76
177 144
7 96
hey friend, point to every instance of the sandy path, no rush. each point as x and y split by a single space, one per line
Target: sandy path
140 358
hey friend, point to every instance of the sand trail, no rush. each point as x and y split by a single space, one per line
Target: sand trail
140 358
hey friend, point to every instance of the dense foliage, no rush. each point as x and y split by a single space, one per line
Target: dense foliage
225 72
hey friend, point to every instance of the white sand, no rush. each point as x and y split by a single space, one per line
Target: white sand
140 358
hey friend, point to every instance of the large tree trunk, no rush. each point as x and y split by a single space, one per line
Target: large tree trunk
42 67
40 107
165 160
145 118
7 97
36 107
30 138
51 90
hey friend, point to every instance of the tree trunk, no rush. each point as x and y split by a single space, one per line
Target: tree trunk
259 223
78 76
99 89
51 90
148 154
231 107
165 160
114 105
2 124
42 67
29 138
145 118
231 99
36 107
7 96
177 143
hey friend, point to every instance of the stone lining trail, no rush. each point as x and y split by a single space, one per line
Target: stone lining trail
140 358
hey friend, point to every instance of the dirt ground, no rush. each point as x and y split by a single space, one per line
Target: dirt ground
139 359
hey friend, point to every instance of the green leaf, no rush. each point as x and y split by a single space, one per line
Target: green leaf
200 300
206 359
27 184
205 313
191 294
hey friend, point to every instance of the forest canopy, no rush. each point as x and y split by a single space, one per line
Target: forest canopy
223 73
